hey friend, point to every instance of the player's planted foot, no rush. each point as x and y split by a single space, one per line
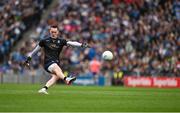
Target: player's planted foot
43 91
69 80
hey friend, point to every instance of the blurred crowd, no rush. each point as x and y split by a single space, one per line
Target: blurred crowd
144 36
16 17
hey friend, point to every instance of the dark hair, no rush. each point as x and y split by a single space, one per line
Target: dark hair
54 26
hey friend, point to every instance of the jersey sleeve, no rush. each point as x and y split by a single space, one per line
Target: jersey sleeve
41 43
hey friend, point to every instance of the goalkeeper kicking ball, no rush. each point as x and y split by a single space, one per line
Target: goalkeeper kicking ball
107 55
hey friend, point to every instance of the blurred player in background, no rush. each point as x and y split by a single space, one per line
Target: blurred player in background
52 47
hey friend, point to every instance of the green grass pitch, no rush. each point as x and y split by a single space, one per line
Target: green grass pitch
24 98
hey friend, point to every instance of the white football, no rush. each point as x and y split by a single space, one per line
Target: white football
107 55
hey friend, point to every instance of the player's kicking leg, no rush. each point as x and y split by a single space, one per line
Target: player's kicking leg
56 74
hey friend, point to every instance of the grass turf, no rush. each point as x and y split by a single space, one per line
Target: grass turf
24 98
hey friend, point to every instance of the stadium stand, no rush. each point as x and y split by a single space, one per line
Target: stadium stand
16 17
143 35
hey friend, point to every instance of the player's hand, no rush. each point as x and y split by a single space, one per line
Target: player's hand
27 62
85 45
